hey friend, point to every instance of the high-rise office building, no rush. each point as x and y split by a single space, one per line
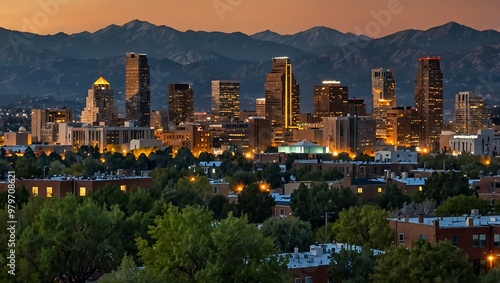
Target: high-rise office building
180 103
429 101
349 134
260 107
399 126
100 108
383 98
282 96
471 114
159 120
226 100
137 89
330 100
356 107
47 118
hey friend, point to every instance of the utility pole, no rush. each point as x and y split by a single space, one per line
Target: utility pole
327 216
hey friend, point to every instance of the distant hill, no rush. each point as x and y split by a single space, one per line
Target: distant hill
66 65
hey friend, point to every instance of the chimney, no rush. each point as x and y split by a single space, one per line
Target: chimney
407 218
469 222
420 218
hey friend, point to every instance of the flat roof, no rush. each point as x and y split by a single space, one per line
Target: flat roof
319 255
455 221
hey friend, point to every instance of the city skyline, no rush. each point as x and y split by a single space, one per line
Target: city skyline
375 19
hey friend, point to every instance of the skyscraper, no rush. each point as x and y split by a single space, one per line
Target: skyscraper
383 97
471 114
225 100
282 96
47 120
260 107
356 107
330 100
137 88
349 134
100 106
429 101
180 103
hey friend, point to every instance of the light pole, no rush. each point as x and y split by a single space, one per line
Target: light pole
327 216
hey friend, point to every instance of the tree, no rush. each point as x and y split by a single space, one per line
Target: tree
493 276
56 168
288 233
424 262
190 247
70 241
392 198
128 272
441 186
352 265
363 226
311 204
4 168
110 195
254 203
460 205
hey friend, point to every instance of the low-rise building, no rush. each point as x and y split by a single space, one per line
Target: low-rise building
478 236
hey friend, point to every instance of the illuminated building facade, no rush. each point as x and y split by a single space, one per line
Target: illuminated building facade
356 107
429 101
330 100
180 103
100 108
260 107
137 89
349 134
226 100
282 97
383 97
471 114
47 118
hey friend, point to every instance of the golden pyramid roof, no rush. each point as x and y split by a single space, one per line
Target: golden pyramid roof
101 81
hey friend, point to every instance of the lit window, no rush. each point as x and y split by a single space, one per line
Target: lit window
360 190
83 191
123 188
34 191
419 188
49 192
379 190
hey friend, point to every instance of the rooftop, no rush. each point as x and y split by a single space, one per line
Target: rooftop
313 161
411 181
455 221
319 255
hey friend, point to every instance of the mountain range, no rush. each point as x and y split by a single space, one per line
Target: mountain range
66 65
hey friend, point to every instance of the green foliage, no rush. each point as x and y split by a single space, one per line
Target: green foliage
460 205
311 204
424 262
110 195
70 241
128 272
190 247
352 265
441 186
363 226
255 204
4 168
288 233
392 198
493 276
56 168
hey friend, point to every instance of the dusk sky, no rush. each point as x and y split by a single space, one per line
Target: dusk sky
374 18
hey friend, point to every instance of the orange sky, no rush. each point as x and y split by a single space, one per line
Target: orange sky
374 18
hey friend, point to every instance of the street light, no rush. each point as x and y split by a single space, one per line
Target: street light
327 216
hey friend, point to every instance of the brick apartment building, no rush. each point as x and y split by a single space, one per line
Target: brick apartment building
478 236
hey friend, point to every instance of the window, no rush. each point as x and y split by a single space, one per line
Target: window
496 240
123 188
360 190
34 191
49 192
215 190
482 240
83 191
479 240
422 236
419 188
454 240
401 238
309 279
379 190
298 280
282 212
